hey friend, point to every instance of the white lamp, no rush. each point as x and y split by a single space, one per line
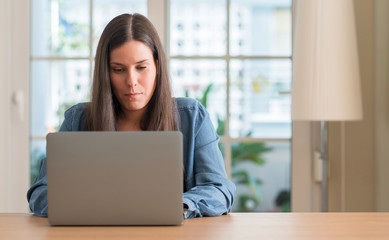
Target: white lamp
326 84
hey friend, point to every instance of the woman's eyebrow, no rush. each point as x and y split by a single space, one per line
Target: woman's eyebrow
141 61
116 63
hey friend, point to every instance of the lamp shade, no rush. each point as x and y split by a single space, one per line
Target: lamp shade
326 84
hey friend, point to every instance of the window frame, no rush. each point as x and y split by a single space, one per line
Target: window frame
15 140
227 140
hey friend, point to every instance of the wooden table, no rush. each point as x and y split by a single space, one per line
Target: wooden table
312 226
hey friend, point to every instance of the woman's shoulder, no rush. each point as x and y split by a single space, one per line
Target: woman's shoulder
192 115
184 104
74 117
79 108
190 110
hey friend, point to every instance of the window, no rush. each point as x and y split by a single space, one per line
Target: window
233 55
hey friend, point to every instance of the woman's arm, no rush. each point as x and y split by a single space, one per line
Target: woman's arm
37 194
209 191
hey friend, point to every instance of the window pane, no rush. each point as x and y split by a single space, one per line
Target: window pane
260 27
60 28
37 152
55 86
259 98
104 11
192 78
261 172
198 27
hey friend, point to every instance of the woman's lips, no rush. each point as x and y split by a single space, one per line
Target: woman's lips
132 95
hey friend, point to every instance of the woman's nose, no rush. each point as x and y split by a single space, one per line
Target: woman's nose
132 79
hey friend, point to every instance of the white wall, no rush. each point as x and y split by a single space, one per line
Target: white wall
14 78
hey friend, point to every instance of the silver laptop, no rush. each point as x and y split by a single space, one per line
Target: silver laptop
115 178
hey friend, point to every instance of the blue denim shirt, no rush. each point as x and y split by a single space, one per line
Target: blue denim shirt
207 190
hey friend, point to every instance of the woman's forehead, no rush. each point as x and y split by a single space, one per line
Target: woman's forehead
132 51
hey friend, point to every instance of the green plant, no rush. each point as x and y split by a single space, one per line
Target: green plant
250 152
204 98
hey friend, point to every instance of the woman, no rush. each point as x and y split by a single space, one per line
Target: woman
131 92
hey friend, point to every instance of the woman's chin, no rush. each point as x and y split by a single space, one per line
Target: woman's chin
134 107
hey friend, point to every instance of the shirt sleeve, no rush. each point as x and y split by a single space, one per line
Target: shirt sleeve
37 194
213 192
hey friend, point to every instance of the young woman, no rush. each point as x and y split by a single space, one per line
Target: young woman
131 92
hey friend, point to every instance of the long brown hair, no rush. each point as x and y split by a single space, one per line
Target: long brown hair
104 108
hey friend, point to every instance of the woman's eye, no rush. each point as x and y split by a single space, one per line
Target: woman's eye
118 70
141 67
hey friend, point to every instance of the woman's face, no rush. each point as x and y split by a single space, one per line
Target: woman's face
132 73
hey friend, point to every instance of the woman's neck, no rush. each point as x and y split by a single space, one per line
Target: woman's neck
130 121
